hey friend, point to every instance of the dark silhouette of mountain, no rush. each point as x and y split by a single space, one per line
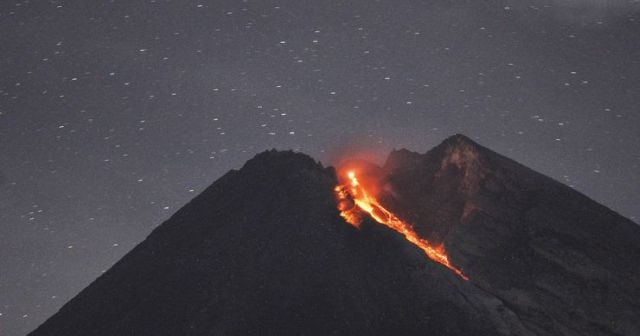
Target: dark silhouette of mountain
264 251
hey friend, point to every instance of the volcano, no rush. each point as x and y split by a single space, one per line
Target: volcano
264 250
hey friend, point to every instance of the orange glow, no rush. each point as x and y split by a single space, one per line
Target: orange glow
354 202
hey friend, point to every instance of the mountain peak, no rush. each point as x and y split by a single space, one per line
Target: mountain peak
457 155
459 140
463 154
277 158
457 149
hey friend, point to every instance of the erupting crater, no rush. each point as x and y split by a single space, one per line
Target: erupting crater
354 203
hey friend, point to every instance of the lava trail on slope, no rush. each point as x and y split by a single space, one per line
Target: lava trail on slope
354 202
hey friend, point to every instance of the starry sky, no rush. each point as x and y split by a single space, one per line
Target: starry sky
113 114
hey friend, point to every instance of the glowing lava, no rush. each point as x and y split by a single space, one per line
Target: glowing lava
354 201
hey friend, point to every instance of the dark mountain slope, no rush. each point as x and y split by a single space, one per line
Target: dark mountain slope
263 251
565 264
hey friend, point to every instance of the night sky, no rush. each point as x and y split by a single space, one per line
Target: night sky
113 114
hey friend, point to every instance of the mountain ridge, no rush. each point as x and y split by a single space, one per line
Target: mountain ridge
263 249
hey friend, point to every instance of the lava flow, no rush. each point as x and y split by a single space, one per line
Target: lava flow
354 201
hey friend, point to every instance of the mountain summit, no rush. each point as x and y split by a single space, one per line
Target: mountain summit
264 251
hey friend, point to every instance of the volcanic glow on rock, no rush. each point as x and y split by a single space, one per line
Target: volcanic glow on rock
354 201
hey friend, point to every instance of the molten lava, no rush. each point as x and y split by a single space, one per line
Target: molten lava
354 202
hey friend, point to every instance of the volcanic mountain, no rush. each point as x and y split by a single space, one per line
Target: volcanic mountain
264 250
